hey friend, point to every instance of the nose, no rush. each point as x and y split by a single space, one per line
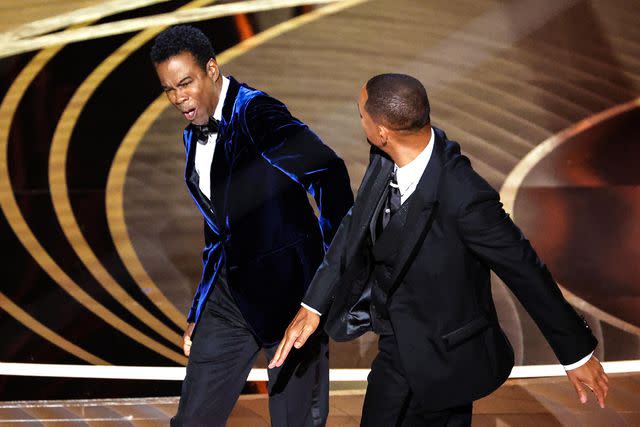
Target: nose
177 96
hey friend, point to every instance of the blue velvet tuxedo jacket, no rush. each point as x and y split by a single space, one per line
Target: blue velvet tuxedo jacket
259 224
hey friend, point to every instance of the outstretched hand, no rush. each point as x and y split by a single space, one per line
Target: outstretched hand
591 375
300 329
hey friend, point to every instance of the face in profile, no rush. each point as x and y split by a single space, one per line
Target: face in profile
189 87
369 127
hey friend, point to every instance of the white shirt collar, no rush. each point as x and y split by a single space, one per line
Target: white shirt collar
217 114
410 174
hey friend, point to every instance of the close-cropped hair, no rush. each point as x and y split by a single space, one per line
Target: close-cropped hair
398 101
182 38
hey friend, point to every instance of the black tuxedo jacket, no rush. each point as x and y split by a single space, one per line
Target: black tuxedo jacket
434 264
259 223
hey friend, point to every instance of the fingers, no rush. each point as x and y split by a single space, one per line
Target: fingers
307 330
278 353
186 346
600 393
582 394
599 386
592 376
296 336
603 390
284 348
186 337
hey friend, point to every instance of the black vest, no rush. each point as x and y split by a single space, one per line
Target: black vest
384 249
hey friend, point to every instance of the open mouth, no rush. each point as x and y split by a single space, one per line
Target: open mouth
189 114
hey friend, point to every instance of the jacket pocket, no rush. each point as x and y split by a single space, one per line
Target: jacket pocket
462 334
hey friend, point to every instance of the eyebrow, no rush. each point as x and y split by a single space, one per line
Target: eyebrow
179 83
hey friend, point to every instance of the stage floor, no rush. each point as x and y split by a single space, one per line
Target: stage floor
522 403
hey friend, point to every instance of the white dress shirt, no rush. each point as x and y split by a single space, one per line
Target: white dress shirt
204 152
408 177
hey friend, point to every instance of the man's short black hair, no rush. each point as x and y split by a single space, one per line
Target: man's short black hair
398 101
182 38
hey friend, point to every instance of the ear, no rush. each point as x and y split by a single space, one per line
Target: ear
383 131
212 69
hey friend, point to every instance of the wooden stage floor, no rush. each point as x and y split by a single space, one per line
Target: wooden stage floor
522 403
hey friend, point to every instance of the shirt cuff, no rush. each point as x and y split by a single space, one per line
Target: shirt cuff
313 310
578 363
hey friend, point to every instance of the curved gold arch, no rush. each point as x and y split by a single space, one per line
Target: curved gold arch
11 46
75 17
511 186
14 217
115 212
66 216
30 322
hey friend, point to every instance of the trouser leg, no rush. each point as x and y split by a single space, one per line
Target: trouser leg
222 355
299 389
389 400
387 390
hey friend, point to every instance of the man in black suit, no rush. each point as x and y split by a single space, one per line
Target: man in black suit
411 262
249 166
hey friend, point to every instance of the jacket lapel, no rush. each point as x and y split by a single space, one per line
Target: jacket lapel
370 194
193 180
221 166
420 214
210 210
375 217
387 244
371 189
227 112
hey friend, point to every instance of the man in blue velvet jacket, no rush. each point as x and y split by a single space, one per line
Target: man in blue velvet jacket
249 167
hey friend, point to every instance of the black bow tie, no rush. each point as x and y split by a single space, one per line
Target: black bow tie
212 126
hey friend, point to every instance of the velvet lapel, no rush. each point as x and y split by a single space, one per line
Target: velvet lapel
191 176
192 180
221 166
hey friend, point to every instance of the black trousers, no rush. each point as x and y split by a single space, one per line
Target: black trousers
222 355
389 401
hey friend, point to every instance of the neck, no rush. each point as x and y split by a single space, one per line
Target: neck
405 148
217 92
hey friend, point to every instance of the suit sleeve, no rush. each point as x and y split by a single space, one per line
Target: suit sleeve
320 291
489 232
328 275
191 317
290 146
